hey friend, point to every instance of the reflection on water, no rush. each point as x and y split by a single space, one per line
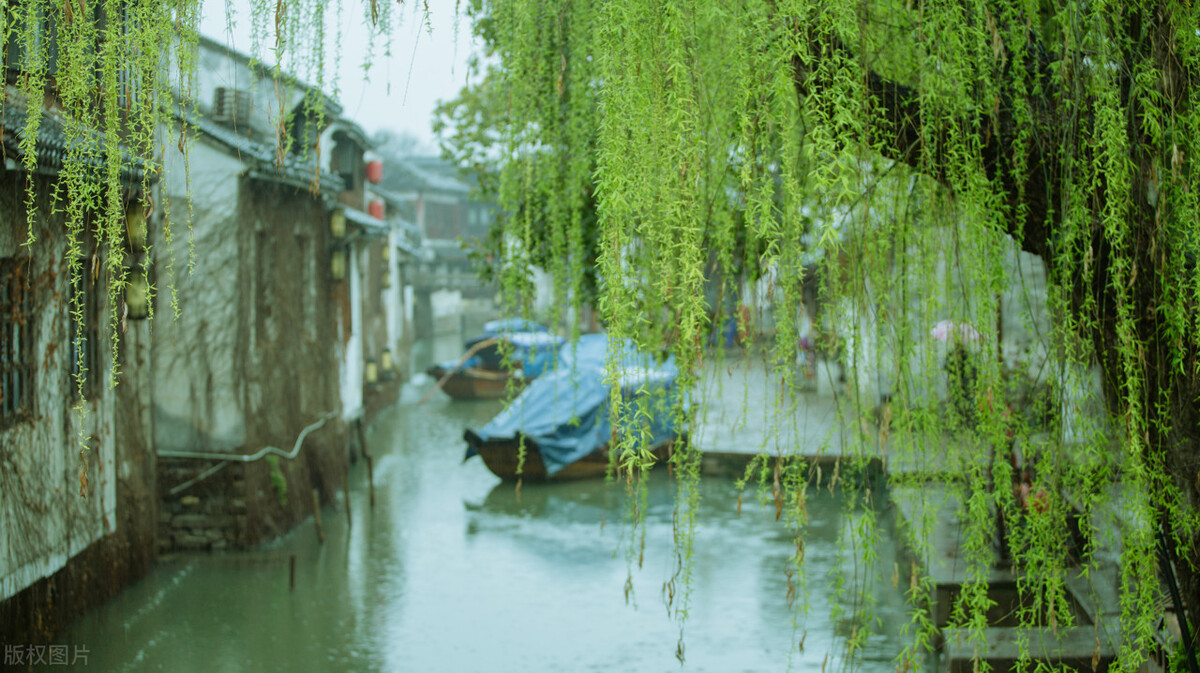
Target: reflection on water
453 571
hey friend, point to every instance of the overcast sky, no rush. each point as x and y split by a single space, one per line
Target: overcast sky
403 90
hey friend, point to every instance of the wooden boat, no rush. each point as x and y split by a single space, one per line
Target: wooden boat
475 383
486 371
501 456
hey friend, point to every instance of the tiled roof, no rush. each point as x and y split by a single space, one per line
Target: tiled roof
263 160
353 130
367 223
426 174
55 143
409 236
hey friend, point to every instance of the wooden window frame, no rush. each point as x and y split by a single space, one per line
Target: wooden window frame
17 363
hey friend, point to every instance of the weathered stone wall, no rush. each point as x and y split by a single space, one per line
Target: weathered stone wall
61 552
206 516
290 333
244 504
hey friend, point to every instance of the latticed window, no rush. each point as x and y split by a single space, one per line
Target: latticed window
16 335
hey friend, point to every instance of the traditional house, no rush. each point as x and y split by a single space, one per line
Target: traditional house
255 376
365 242
77 504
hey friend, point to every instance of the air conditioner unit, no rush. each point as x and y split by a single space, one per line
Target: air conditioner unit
231 107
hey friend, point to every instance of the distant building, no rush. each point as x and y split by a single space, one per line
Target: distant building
437 201
440 205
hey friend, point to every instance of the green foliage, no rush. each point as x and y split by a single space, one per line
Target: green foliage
666 161
904 151
278 479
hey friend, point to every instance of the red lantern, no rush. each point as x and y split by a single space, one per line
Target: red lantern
375 208
374 171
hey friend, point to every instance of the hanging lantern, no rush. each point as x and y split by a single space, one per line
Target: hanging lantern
135 225
137 295
337 223
371 371
386 253
375 172
375 209
337 264
385 360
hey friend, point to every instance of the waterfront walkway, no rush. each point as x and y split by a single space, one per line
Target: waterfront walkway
748 411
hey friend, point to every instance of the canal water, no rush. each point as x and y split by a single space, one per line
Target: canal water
454 571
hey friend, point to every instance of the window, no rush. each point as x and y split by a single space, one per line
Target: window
38 49
346 161
16 351
231 107
85 335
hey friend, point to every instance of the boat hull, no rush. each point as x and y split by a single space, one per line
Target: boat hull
476 384
501 456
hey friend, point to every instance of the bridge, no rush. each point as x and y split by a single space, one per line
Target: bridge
424 279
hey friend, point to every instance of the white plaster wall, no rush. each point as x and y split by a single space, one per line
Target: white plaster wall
543 290
446 303
352 356
43 520
392 302
197 390
410 297
216 67
933 292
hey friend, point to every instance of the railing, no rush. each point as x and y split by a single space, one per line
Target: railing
227 458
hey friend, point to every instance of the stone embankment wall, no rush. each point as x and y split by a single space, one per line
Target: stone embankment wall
207 516
243 504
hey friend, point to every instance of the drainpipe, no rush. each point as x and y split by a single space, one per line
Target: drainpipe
241 457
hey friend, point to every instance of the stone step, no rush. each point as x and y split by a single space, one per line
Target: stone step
1084 648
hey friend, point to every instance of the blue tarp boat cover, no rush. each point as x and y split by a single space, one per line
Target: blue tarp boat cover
566 411
502 325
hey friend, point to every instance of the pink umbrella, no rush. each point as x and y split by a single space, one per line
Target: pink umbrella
948 330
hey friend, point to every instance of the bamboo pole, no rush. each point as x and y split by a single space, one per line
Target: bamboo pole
442 381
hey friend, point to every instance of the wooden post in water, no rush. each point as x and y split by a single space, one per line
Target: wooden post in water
362 442
292 572
371 478
316 498
346 494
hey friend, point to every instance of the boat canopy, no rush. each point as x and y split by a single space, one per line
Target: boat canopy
536 351
566 411
494 327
